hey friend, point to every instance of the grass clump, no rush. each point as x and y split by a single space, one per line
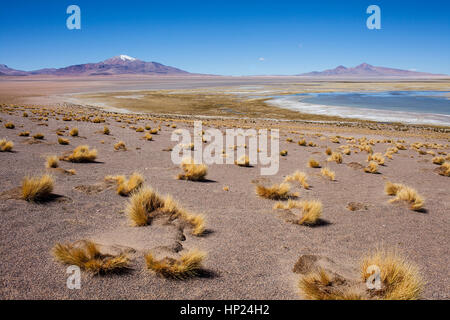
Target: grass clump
120 146
38 136
192 171
6 146
400 279
145 204
444 170
377 157
335 156
405 193
327 173
24 134
51 162
372 167
37 188
299 177
82 154
86 255
283 153
106 130
74 132
438 160
275 192
188 265
126 187
243 161
313 163
9 125
148 136
63 141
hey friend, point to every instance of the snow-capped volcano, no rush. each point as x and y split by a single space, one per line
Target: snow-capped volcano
124 57
121 64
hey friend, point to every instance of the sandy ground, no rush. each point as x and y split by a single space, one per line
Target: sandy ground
251 248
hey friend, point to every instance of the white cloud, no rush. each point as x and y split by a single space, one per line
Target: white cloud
261 59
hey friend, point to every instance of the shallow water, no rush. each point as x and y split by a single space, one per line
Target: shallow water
421 107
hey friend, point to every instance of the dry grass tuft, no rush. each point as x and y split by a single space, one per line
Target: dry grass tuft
312 210
405 193
86 255
326 172
275 192
126 187
74 132
38 136
188 265
24 134
6 146
63 141
319 285
82 154
51 162
438 160
106 130
300 177
9 125
243 161
400 280
328 151
148 136
192 171
372 167
37 188
283 153
145 203
444 170
313 163
335 156
120 146
377 157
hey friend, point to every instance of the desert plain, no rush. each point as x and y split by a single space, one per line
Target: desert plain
251 248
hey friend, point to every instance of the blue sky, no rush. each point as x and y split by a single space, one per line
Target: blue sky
229 37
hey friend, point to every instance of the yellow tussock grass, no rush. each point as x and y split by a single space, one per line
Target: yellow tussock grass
275 192
405 193
38 136
313 163
106 130
400 279
9 125
6 146
192 171
335 156
148 136
299 177
283 153
126 187
438 160
311 212
188 265
243 161
444 170
146 203
63 141
37 188
327 173
51 162
377 157
86 255
120 146
318 285
372 167
82 154
74 132
24 134
328 151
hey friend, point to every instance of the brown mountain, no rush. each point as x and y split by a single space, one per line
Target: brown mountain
121 64
6 71
367 70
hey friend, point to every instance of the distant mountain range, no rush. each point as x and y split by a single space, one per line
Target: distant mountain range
367 70
121 64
